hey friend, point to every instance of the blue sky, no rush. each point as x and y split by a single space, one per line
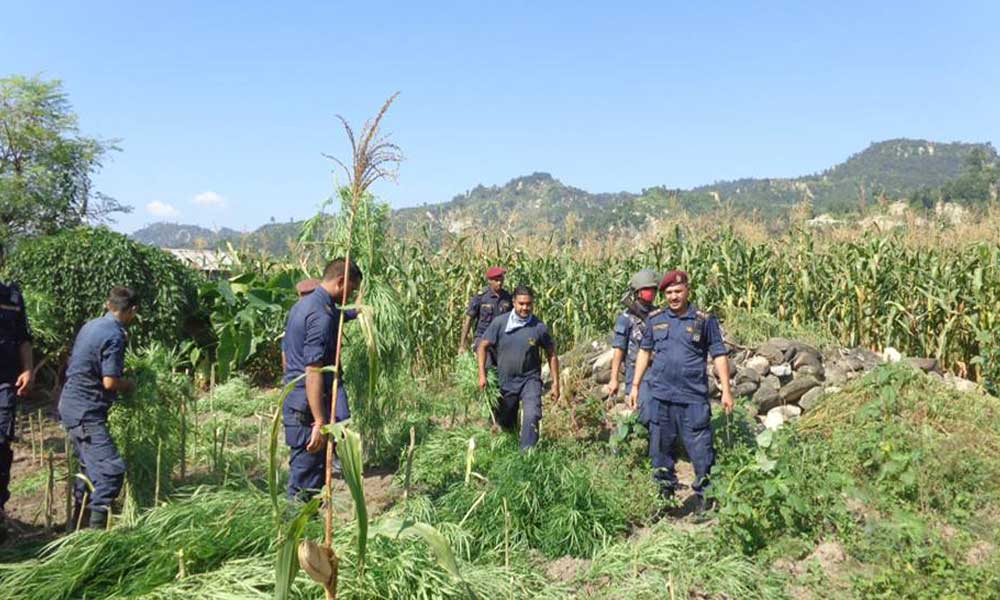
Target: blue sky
225 109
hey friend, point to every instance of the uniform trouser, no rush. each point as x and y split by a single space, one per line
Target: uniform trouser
528 397
8 414
99 460
692 424
307 470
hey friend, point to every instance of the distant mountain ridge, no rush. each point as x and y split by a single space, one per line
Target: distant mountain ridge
539 204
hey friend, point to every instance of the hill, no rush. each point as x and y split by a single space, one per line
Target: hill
541 205
173 235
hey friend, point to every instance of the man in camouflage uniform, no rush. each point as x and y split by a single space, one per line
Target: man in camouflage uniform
629 327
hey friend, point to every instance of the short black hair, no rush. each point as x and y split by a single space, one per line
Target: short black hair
122 298
335 269
523 290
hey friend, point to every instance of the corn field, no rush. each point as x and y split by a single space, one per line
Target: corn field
873 292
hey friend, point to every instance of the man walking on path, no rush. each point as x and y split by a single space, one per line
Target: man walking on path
673 354
518 337
485 306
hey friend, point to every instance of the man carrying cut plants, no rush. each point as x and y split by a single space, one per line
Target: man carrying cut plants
15 379
485 306
629 328
309 345
518 337
93 382
673 357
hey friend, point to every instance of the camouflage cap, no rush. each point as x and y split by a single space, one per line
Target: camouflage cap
646 278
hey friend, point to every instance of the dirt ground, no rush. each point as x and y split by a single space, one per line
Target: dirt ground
26 522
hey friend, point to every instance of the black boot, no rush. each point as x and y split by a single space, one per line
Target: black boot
98 519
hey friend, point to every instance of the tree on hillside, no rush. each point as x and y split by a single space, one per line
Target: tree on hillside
46 166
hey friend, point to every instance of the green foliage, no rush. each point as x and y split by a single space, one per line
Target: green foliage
665 562
239 399
774 485
465 377
146 424
211 528
877 292
897 467
557 499
46 168
66 278
630 439
247 314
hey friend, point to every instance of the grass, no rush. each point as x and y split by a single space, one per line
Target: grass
558 498
666 562
897 468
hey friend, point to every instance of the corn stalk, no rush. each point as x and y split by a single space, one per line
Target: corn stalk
373 158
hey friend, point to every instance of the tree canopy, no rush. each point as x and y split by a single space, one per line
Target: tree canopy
46 165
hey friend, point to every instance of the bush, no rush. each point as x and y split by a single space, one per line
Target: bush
558 499
147 422
66 278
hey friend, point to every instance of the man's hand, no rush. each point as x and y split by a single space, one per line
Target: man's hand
482 382
633 397
555 392
316 439
611 387
24 381
462 349
727 401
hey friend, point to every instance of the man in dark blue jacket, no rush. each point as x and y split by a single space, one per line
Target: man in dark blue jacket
518 336
15 379
675 347
310 343
93 382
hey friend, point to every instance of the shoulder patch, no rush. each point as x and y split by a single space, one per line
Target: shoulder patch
658 311
660 326
703 315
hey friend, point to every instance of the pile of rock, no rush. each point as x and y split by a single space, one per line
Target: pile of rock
782 378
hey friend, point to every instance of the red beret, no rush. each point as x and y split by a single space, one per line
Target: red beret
306 286
494 272
673 278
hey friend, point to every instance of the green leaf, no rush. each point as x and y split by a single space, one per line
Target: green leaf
765 438
416 529
764 462
287 564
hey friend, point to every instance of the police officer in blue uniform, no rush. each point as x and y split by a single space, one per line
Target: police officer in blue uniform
93 382
629 327
310 343
492 302
518 337
673 358
16 374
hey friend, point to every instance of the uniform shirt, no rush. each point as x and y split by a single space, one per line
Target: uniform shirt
98 352
681 345
14 331
518 355
486 305
311 339
629 328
